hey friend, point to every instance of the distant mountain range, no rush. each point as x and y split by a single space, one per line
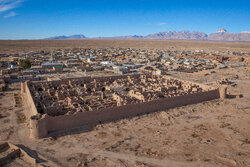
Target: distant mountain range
80 36
182 35
224 35
220 35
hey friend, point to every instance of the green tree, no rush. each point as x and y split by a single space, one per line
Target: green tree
25 63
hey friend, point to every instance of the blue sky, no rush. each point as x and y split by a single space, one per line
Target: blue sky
36 19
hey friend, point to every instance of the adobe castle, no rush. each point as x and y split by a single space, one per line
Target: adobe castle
70 103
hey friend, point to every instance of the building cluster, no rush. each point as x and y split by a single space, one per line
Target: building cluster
88 94
116 60
74 102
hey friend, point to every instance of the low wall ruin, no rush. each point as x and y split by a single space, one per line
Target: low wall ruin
9 151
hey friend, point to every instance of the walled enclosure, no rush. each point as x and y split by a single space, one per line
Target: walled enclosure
71 103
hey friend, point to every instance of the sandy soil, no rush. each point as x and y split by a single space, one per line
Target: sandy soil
214 133
37 45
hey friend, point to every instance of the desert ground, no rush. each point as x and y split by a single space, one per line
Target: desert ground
212 133
36 45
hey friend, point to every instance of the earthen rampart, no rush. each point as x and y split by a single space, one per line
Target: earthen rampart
26 95
42 125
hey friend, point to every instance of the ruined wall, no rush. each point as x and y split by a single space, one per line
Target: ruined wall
204 87
10 151
26 95
43 125
50 124
37 128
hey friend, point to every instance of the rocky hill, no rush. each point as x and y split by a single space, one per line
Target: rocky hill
224 35
80 36
220 35
182 35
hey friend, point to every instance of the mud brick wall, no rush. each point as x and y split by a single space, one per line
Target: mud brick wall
49 124
27 98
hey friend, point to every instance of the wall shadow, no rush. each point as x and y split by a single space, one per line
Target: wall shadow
31 153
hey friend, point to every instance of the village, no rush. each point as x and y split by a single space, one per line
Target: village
82 62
